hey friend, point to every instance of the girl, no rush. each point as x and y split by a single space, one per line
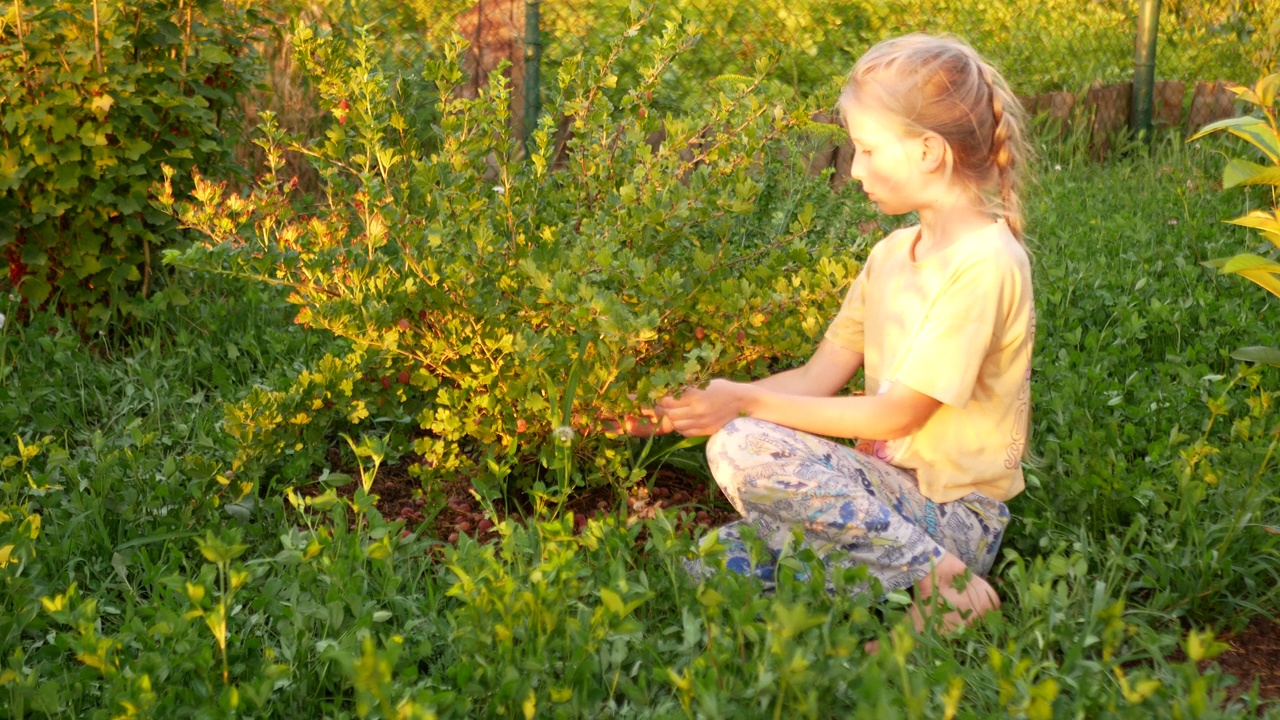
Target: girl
940 319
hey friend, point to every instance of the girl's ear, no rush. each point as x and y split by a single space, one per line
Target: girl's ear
934 153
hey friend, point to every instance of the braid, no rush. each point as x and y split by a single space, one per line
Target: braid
1003 130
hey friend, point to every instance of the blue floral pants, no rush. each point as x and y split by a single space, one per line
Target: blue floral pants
853 509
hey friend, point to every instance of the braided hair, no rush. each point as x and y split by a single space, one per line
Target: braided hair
939 84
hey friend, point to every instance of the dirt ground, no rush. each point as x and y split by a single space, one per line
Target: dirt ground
1253 656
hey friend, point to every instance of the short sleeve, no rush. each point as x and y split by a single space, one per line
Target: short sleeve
846 329
955 335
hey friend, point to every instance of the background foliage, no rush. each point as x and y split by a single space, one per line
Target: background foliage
96 96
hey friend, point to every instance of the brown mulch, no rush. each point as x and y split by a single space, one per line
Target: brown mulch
449 510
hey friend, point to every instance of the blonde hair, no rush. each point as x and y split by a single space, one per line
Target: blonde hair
940 84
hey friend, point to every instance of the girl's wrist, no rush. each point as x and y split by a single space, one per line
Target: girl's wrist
749 399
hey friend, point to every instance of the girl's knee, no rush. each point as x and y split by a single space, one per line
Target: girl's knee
736 434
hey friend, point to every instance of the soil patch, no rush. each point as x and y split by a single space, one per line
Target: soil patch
448 510
1253 655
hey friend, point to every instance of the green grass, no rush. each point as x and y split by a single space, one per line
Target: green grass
1115 552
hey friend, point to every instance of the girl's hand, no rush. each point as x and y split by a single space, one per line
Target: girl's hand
698 413
648 423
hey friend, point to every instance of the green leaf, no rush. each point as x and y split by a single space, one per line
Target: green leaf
101 105
612 601
335 479
1267 222
35 289
1243 172
1256 268
1226 124
1259 135
1268 88
1258 354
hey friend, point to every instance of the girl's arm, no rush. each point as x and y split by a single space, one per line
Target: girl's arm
829 369
826 373
888 416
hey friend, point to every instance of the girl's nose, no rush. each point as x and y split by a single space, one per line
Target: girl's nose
855 166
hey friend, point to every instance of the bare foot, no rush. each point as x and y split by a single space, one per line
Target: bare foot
968 597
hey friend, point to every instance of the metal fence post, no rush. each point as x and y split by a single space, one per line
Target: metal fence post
1144 68
532 58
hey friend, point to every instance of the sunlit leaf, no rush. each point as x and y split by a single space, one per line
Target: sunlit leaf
1226 124
1266 221
1242 172
1256 268
1267 89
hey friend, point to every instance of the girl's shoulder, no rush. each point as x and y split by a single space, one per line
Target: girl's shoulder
894 244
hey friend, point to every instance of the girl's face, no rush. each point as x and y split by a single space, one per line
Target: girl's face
885 161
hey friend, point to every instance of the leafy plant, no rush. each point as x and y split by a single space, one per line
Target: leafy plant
516 300
1262 132
96 96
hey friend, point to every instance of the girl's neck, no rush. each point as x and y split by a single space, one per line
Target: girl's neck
942 226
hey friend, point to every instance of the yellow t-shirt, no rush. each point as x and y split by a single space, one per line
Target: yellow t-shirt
957 326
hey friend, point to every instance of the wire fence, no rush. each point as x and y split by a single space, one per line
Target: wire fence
806 47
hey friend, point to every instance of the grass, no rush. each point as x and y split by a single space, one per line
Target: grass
142 577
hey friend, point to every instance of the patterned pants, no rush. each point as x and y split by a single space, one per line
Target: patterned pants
842 500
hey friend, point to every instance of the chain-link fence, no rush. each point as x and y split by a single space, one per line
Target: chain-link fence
1071 61
1048 49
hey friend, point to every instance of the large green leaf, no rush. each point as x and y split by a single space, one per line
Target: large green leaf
1262 94
1243 172
1214 127
1266 221
1258 354
1256 268
1268 89
1254 130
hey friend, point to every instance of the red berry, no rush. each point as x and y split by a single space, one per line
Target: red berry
699 332
403 377
742 337
521 425
453 537
485 525
404 325
386 382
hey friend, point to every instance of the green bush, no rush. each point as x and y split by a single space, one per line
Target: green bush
98 95
507 297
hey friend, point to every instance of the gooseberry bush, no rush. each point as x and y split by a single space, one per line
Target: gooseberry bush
507 300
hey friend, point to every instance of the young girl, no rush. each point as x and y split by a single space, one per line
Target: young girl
940 319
